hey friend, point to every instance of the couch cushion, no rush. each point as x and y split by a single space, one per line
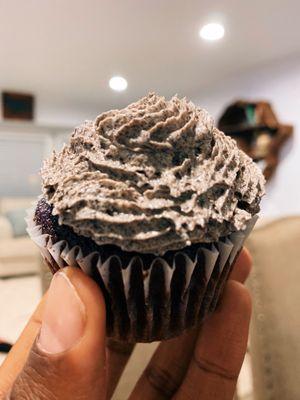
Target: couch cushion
18 256
17 220
11 203
18 248
6 230
275 328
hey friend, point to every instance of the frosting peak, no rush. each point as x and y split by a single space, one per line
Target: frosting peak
154 176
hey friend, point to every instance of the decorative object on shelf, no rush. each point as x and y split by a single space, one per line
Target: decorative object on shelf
17 106
257 131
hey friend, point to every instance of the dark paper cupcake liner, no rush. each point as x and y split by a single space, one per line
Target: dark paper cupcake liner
156 303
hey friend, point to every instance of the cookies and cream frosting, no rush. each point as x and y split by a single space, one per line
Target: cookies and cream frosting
154 176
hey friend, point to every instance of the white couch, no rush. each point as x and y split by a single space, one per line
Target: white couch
18 255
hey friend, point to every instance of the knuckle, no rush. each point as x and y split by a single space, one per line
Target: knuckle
34 380
27 387
161 380
35 321
212 368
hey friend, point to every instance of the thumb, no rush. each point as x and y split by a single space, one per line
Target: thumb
67 359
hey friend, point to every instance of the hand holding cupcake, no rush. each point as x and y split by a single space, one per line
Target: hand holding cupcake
154 203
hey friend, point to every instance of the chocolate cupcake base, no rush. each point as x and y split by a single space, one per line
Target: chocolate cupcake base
148 299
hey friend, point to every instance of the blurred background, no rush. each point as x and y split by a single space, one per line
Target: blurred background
65 61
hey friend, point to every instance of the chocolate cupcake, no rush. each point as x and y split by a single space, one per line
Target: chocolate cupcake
154 203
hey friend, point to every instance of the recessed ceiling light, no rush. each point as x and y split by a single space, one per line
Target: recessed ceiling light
212 31
118 83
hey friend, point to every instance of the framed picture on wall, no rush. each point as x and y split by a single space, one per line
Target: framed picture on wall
17 106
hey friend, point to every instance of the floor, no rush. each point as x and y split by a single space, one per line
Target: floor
18 299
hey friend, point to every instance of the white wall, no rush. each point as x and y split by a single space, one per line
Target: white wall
22 149
278 83
55 110
50 111
23 146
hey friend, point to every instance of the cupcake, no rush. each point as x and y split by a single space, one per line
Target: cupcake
154 203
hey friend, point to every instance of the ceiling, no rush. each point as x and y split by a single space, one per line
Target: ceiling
68 49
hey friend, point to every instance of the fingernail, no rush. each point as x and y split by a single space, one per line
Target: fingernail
63 318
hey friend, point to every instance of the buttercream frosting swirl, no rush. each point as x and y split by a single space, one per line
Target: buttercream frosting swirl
154 176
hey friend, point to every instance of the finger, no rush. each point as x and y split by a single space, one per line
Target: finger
242 266
67 359
117 354
162 377
16 358
166 369
220 349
